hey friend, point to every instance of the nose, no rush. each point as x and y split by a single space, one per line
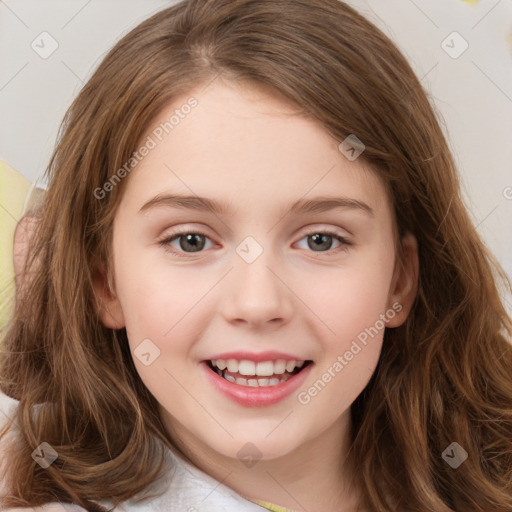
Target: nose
256 295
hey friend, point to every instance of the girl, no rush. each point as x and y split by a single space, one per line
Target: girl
254 284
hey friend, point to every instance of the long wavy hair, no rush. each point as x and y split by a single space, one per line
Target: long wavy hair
445 375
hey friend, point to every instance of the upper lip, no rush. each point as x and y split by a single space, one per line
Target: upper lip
271 355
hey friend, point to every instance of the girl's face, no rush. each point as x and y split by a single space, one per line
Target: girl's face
245 235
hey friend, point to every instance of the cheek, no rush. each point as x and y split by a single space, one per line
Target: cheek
155 297
351 307
163 309
171 308
353 298
350 349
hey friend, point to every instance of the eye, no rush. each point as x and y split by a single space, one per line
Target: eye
322 241
185 242
190 242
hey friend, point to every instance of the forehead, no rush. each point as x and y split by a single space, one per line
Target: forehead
242 145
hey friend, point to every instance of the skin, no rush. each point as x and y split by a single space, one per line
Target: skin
251 149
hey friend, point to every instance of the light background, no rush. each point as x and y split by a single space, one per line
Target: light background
473 93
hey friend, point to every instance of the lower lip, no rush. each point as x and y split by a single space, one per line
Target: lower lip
256 396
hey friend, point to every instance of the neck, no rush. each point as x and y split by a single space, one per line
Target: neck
312 477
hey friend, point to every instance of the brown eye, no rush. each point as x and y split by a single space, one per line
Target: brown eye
187 242
192 242
320 241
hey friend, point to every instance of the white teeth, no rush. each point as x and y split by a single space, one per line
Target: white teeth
232 365
247 367
265 369
255 383
290 366
220 364
280 366
261 369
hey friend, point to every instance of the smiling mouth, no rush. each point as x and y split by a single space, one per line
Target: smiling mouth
247 373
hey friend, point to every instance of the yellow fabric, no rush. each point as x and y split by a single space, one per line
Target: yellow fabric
270 506
14 189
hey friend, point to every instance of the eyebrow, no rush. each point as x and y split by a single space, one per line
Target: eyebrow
301 206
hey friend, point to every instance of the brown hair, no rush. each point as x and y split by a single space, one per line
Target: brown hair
443 376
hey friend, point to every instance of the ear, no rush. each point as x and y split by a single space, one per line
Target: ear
404 284
107 304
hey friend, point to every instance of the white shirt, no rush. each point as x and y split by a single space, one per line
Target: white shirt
184 488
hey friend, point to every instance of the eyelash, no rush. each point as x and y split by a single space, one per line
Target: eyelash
331 252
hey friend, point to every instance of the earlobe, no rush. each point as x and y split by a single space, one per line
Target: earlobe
108 306
404 284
